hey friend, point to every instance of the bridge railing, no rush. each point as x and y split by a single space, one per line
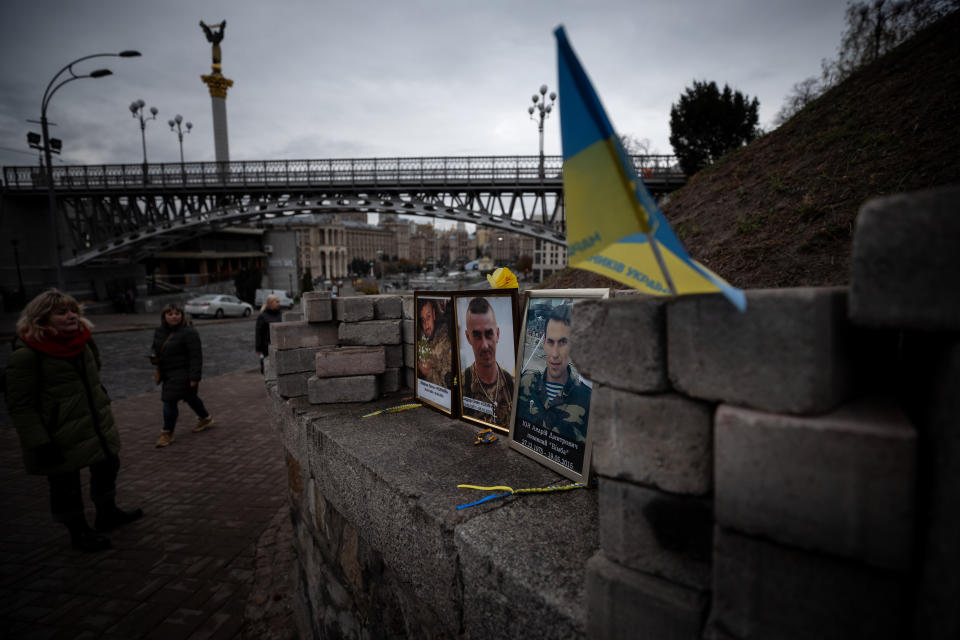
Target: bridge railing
346 172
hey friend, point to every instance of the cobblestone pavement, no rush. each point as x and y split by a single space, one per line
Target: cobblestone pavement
212 556
124 344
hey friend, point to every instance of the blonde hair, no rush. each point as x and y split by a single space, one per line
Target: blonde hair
266 303
35 317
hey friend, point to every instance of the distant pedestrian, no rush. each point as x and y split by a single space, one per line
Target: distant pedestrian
178 355
62 415
269 313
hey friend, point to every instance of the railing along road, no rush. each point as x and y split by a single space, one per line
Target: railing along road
657 170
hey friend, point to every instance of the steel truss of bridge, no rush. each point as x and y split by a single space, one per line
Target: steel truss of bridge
119 213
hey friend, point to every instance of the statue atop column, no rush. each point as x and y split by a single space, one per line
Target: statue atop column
214 37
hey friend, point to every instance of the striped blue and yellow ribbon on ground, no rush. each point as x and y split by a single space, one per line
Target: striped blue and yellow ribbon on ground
614 226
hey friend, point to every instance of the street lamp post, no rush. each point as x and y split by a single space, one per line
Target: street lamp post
137 109
541 107
175 126
47 96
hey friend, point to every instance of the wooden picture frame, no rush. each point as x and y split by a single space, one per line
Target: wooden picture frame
551 429
435 365
486 345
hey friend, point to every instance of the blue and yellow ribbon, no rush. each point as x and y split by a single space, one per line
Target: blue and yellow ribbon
402 407
512 492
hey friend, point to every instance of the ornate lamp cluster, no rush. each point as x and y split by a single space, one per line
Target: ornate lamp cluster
137 109
175 127
540 111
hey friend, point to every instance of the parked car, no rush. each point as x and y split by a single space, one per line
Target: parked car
260 297
218 305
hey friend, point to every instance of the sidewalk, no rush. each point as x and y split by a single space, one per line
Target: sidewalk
211 558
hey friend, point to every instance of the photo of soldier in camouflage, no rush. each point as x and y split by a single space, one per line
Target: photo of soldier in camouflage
434 358
487 385
555 398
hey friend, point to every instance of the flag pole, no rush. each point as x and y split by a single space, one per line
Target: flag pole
663 267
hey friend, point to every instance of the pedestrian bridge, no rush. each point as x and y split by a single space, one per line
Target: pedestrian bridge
130 211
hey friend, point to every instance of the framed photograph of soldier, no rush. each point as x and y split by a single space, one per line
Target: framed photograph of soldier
551 405
435 364
487 322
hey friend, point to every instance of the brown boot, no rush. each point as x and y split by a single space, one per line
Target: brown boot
166 437
203 424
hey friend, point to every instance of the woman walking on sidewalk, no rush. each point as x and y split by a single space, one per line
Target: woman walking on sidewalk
269 313
179 358
62 415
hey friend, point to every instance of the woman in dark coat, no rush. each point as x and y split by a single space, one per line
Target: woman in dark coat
269 313
179 358
62 415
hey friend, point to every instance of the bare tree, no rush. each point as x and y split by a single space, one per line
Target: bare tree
873 28
635 146
802 94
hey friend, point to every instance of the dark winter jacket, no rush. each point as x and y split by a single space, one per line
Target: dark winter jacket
180 361
264 320
59 405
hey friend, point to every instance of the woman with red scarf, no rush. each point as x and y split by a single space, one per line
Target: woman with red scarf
62 415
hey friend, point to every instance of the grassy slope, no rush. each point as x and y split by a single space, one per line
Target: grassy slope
780 212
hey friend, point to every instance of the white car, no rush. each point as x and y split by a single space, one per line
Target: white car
218 306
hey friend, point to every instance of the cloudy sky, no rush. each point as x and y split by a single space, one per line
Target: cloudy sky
365 78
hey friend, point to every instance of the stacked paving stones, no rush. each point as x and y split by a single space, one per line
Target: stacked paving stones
792 471
340 350
407 352
788 472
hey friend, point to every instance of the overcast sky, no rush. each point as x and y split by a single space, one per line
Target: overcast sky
359 78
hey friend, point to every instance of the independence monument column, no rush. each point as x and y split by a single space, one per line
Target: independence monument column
218 93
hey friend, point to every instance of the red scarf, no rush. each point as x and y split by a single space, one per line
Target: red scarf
62 344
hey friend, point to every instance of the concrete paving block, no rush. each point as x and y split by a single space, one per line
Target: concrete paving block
664 441
387 307
394 355
298 335
655 532
370 333
905 261
513 574
291 316
409 356
292 385
762 590
354 308
344 389
409 335
626 604
842 483
269 369
349 361
317 307
407 304
602 352
788 352
389 380
933 375
297 360
409 378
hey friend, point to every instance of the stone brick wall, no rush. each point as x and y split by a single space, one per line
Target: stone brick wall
788 472
335 350
791 471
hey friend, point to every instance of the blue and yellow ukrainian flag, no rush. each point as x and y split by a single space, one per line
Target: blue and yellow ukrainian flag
614 226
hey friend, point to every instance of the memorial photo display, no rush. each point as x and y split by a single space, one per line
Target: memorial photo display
486 355
435 362
551 406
